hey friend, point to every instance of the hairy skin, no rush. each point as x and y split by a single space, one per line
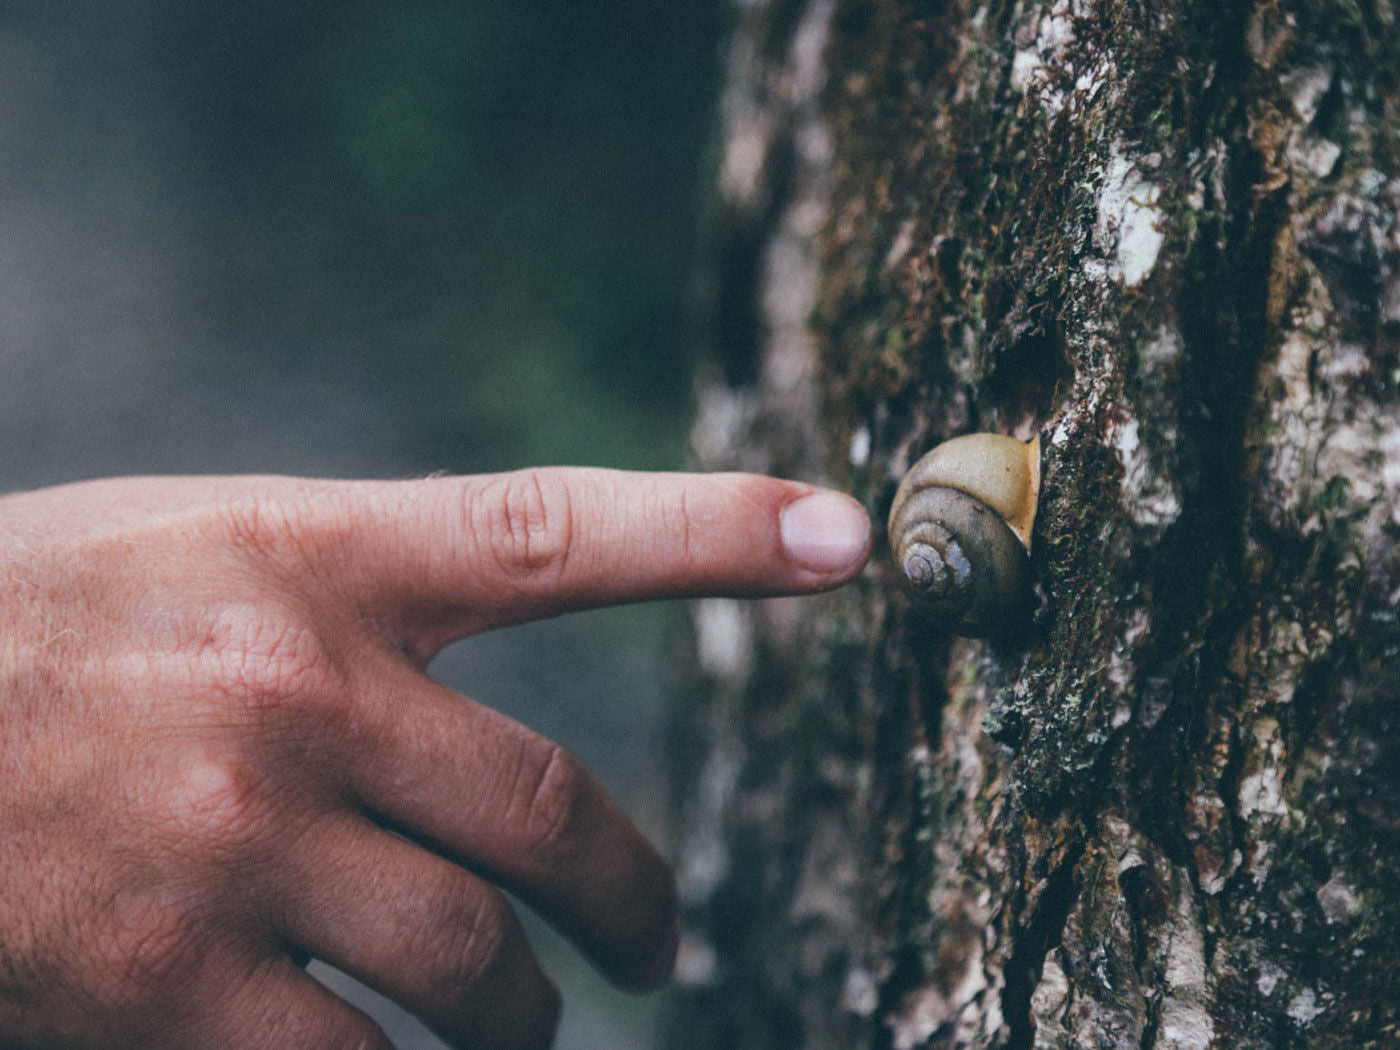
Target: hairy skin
220 756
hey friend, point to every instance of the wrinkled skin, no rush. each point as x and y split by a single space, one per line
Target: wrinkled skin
220 755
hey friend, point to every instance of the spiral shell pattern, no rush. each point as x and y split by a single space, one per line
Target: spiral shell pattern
960 528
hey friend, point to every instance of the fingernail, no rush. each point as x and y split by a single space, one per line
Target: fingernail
825 532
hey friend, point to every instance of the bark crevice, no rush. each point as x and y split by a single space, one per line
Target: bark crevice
1034 941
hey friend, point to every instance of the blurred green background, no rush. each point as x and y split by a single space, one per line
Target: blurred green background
361 238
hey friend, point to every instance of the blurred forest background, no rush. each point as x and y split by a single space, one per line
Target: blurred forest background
370 239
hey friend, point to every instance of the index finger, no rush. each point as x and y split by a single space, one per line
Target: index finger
494 549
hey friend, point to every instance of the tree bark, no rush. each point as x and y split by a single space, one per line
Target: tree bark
1163 236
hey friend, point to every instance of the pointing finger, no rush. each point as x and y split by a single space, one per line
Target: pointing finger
493 549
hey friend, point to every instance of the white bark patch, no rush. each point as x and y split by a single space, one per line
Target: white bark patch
1261 790
1259 793
1325 426
1149 496
747 144
903 241
826 889
1390 472
1309 154
1338 900
992 1017
1294 416
697 962
1120 666
1212 882
930 1008
704 857
1390 301
749 128
1081 409
1049 998
1306 87
1348 453
722 418
792 269
1044 44
1269 977
1130 221
861 994
924 1013
1292 647
723 637
859 451
789 288
1163 352
1347 361
1186 1020
1261 863
808 56
1314 156
1304 1008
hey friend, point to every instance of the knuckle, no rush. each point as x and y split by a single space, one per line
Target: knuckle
259 524
214 809
527 521
265 657
551 794
284 660
285 524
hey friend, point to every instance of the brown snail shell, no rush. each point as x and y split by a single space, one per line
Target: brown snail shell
960 529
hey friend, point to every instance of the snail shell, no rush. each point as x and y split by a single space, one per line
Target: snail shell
960 527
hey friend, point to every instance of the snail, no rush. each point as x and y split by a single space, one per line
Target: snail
960 528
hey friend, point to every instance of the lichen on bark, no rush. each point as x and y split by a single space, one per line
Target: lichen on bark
1164 237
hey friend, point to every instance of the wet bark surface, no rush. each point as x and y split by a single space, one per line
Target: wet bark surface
1164 238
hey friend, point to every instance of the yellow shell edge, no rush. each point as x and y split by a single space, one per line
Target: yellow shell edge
1001 471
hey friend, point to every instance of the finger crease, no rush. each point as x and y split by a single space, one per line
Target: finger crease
685 525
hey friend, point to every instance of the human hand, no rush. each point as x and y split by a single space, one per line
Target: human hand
220 754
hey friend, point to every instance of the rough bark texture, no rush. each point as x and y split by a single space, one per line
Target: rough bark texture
1163 235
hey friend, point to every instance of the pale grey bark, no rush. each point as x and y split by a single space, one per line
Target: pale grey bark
1164 237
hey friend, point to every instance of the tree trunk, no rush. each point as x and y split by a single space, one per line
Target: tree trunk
1163 236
